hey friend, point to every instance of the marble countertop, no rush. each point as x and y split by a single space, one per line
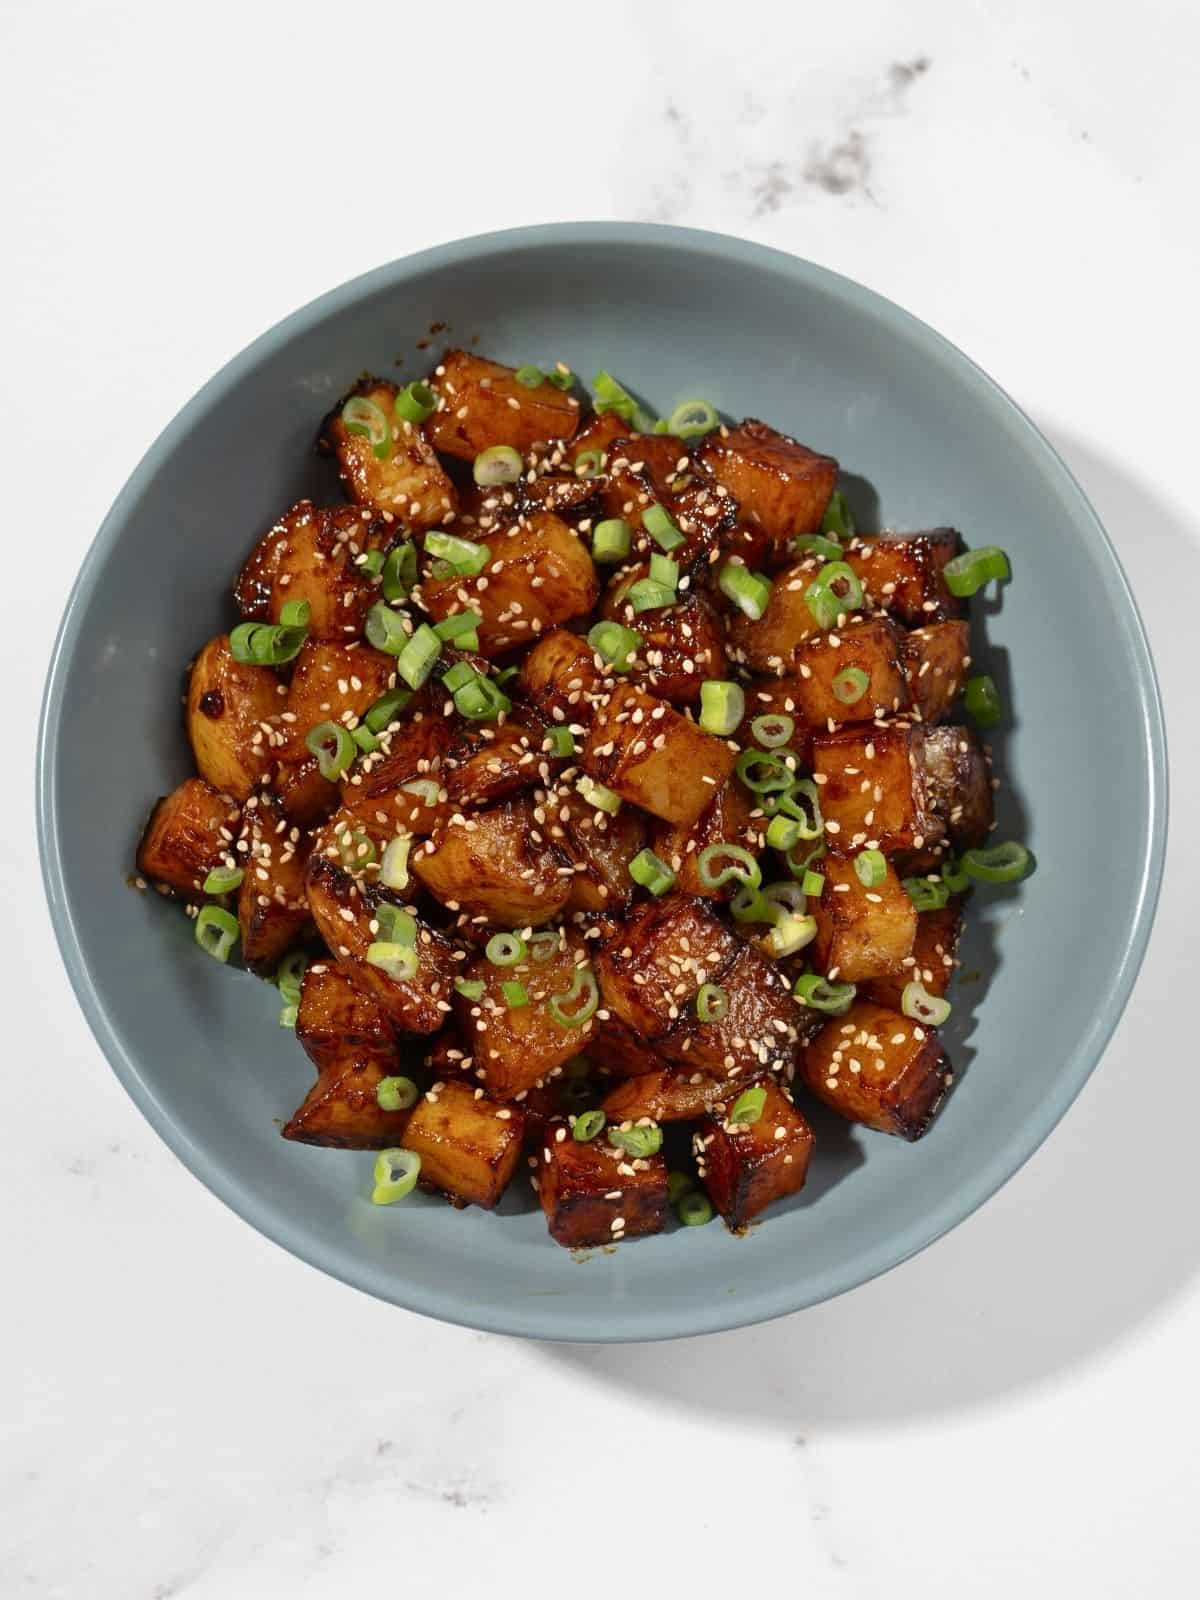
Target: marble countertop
188 1411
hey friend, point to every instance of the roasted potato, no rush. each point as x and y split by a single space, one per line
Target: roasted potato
233 719
684 642
770 643
902 573
644 750
334 1016
873 790
932 962
561 675
495 866
619 1052
665 949
481 404
599 848
781 486
307 798
664 1094
958 784
352 1046
469 1146
593 1194
745 1166
861 932
190 831
401 787
272 901
407 481
935 660
489 764
729 819
759 1030
827 697
877 1067
332 683
312 554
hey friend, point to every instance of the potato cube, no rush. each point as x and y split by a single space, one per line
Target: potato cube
865 645
593 1194
758 1032
745 1166
684 642
902 572
409 481
872 785
598 846
190 831
539 574
958 784
334 1016
935 661
599 432
878 1067
272 901
728 819
342 1110
861 932
651 968
400 788
481 404
933 957
779 485
306 797
620 1052
516 1047
560 676
651 755
332 683
233 719
665 1094
770 644
469 1147
311 554
496 865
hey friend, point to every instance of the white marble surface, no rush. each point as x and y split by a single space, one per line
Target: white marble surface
186 1410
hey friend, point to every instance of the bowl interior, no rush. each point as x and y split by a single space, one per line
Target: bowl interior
930 441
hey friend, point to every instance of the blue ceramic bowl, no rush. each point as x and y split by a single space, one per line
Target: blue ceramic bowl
675 313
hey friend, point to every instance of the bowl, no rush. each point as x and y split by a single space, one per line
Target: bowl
928 439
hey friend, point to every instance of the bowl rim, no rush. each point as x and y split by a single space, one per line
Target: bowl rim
621 1324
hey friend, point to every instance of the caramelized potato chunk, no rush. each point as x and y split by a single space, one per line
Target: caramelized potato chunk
861 933
539 574
651 968
933 957
349 1041
232 719
902 572
469 1147
759 1030
665 1094
651 755
684 642
747 1165
272 901
409 481
560 676
958 783
401 788
333 683
878 1067
190 831
620 1052
482 404
598 846
728 819
869 646
770 644
781 486
872 783
516 1047
935 660
496 865
593 1194
306 797
334 1016
486 765
311 554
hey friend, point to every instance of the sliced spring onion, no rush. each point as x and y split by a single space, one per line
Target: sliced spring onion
590 464
609 395
396 925
459 675
812 884
217 932
596 794
838 519
749 591
870 868
396 1174
637 1142
333 747
783 832
396 1093
834 999
385 629
773 729
611 541
415 661
692 420
850 684
927 894
652 872
694 1209
816 544
789 897
452 629
356 848
966 574
295 614
999 863
679 1184
400 571
802 802
364 418
789 933
833 593
712 1002
578 1004
748 1107
505 949
530 377
515 995
415 402
263 644
383 713
665 571
288 1016
588 1124
562 377
614 644
660 525
371 563
751 905
364 738
223 880
957 880
921 1006
393 870
559 742
464 557
719 864
426 790
543 945
399 961
289 975
469 988
481 701
722 706
763 772
646 595
982 700
498 464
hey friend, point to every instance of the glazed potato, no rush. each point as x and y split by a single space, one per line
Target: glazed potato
390 788
489 764
516 1047
958 782
902 572
495 865
728 819
593 1194
233 719
779 485
861 933
651 968
651 755
599 432
598 846
272 900
933 957
873 792
935 661
332 683
878 1067
644 469
481 404
564 493
684 643
770 644
870 646
758 1032
618 1052
469 1147
664 1094
746 1166
417 1005
352 1047
539 574
561 677
408 481
782 696
311 554
190 831
307 798
334 1016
